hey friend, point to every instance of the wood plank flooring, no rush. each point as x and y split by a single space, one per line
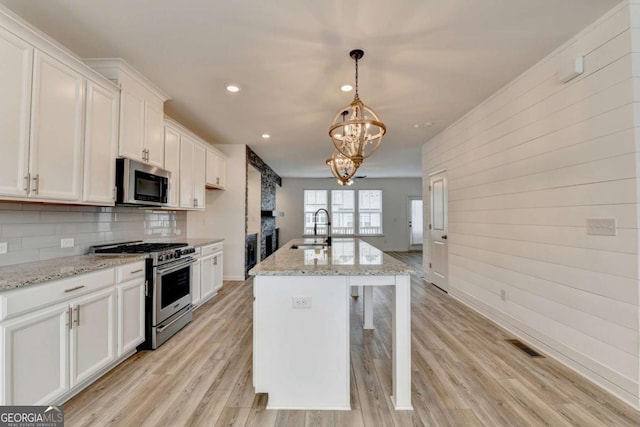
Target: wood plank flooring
464 374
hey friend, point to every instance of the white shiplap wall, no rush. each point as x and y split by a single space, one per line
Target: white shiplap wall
526 168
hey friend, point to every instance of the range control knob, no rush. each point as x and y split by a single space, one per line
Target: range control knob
161 257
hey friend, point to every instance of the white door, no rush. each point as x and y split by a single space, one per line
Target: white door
16 57
35 357
195 282
154 134
415 223
130 315
172 163
132 109
186 173
100 145
93 344
217 271
199 167
207 275
438 231
57 106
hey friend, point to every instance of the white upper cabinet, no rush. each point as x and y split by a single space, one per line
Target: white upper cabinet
131 126
16 57
172 163
55 158
58 121
216 169
141 112
192 174
100 144
154 134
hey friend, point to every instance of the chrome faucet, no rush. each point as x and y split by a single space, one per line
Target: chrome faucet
328 224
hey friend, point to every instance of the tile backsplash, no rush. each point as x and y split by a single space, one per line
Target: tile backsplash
33 231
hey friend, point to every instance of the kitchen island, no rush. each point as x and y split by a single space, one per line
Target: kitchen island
301 351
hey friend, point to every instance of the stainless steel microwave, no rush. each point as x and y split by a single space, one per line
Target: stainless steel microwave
139 184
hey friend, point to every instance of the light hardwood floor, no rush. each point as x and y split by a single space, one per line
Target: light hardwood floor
464 374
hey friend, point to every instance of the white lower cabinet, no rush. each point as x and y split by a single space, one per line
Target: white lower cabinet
92 334
130 315
195 282
207 289
209 278
35 357
59 336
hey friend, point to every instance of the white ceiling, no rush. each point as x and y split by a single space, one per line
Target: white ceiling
425 61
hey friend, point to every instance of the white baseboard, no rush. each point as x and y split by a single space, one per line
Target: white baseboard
234 278
565 355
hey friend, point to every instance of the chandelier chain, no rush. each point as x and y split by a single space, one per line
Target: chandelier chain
356 77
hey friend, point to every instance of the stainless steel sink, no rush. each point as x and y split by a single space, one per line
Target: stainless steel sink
309 246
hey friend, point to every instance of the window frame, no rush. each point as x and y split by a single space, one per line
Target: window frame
356 212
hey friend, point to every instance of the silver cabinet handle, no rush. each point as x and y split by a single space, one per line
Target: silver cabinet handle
218 180
69 318
74 289
36 180
135 271
195 202
113 193
77 321
215 260
27 180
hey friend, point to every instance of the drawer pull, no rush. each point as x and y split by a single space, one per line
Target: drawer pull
74 289
136 271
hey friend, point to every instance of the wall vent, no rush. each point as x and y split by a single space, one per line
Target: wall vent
522 346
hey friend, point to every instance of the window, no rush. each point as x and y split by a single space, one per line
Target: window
314 200
343 208
348 218
370 212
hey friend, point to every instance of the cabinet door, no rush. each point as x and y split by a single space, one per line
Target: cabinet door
131 125
16 57
198 171
195 282
186 173
172 163
35 357
222 171
217 271
57 108
207 278
212 176
154 135
100 144
130 315
92 334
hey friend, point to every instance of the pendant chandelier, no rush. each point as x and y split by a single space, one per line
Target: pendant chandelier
342 168
357 131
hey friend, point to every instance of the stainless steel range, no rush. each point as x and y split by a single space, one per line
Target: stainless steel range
168 286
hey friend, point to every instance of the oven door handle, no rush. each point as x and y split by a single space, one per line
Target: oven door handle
163 327
175 267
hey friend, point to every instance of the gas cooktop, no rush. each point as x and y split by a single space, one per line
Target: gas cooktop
136 248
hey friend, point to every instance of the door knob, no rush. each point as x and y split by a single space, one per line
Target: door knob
444 237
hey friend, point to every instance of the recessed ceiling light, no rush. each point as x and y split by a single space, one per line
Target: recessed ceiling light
233 88
427 124
416 126
346 88
266 136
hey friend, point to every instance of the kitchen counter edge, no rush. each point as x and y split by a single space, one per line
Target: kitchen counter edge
18 276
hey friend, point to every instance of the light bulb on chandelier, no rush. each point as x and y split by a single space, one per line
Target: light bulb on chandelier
342 168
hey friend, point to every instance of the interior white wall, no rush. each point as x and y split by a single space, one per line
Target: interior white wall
224 215
395 203
526 168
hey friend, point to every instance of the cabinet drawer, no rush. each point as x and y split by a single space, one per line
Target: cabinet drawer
130 271
208 250
19 301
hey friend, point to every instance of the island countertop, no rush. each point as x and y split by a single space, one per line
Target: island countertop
345 257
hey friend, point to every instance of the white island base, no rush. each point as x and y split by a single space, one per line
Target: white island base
301 339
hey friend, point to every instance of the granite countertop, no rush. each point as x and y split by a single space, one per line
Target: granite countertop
345 257
32 273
